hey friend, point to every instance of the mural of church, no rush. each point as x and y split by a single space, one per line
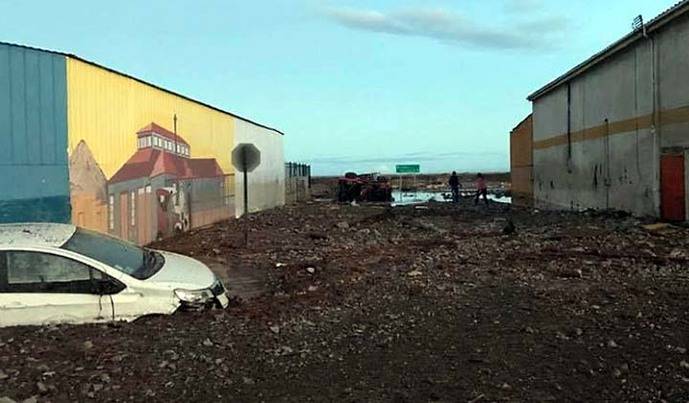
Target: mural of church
85 144
161 189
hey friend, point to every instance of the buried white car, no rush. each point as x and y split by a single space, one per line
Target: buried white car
59 273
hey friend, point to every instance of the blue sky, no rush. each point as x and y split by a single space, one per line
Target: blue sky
355 85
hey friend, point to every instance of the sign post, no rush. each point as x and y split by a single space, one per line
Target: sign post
245 158
407 169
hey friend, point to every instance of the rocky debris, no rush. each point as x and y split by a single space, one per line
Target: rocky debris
584 307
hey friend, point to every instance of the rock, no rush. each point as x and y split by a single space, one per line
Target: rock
578 332
342 225
43 368
681 350
275 329
286 350
684 364
509 228
311 270
5 399
32 399
208 343
312 288
678 254
658 227
617 373
88 344
415 273
171 354
248 381
612 344
317 236
42 389
3 375
278 265
571 273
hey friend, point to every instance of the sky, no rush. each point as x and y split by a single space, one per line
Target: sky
354 85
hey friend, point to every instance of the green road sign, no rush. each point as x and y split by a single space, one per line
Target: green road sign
408 169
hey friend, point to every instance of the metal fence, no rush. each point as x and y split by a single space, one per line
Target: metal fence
297 182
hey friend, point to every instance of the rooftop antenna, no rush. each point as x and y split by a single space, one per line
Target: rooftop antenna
638 24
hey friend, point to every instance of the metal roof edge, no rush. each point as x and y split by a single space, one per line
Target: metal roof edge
81 59
653 25
521 123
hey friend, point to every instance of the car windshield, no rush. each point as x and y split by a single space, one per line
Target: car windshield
123 256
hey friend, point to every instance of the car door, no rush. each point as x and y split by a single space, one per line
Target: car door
40 288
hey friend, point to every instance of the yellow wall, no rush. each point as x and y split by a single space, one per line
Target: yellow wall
106 110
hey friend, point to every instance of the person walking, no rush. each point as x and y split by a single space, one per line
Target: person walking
481 189
454 186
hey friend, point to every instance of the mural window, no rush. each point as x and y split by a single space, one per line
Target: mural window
111 212
148 141
133 209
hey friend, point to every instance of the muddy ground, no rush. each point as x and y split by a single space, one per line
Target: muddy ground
371 303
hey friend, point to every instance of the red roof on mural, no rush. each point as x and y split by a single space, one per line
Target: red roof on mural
149 162
154 128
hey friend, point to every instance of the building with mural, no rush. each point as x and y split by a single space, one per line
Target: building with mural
110 152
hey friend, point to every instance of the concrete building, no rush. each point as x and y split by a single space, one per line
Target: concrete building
613 132
71 129
521 162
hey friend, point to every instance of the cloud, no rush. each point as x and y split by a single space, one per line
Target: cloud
451 27
524 6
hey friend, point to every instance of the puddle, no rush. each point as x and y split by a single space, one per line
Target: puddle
410 198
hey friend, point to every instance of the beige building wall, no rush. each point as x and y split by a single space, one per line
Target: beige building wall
267 182
521 162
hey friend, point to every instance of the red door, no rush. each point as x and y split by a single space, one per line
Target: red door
672 190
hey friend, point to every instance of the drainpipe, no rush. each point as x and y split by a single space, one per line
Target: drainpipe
569 127
655 121
607 182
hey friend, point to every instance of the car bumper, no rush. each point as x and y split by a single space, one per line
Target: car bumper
218 298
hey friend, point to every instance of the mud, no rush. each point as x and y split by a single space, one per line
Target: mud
413 303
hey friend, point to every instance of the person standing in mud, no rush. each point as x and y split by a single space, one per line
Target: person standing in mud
481 189
454 186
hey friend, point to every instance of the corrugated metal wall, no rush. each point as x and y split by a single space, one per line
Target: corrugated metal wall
33 136
106 110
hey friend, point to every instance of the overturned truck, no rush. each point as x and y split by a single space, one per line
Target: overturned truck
363 188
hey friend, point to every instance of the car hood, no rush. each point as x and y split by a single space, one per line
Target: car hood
182 272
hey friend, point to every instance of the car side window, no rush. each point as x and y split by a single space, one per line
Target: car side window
36 272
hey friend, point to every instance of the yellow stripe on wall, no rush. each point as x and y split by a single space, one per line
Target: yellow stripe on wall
667 117
106 110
